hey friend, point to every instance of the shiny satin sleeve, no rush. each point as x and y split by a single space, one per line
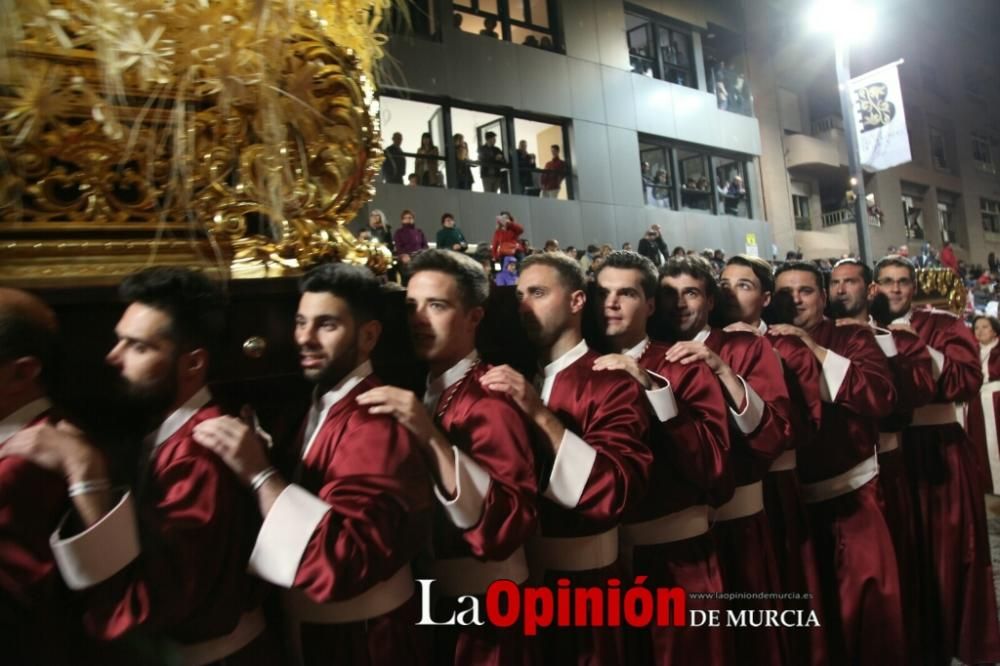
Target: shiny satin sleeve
961 374
378 490
195 543
752 358
31 502
802 377
496 437
913 372
867 387
698 436
616 428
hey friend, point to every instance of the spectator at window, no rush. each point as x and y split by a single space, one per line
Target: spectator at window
546 43
555 172
506 237
507 277
551 245
661 190
947 257
531 40
449 236
456 20
733 193
427 164
702 184
647 182
412 180
463 164
652 246
526 168
408 238
491 165
394 165
490 28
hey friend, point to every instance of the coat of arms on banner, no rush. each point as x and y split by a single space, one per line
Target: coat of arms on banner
873 105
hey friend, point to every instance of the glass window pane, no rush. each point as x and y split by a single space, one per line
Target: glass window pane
516 8
488 6
540 13
730 178
657 177
696 188
540 155
413 155
487 162
462 3
539 40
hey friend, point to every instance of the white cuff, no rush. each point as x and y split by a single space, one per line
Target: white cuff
472 483
748 420
570 471
662 400
937 362
100 551
286 532
835 369
887 343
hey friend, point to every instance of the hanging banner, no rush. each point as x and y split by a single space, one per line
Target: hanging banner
879 122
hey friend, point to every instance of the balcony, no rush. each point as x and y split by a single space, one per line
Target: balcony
846 216
821 153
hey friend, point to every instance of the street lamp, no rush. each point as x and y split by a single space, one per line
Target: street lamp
847 21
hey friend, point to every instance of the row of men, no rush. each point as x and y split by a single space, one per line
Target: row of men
823 457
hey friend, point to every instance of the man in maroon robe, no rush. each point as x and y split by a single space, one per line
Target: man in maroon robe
749 284
340 535
849 291
184 580
839 478
34 605
753 385
593 427
958 603
478 445
667 533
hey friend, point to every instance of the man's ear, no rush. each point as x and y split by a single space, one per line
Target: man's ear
767 298
577 300
476 315
25 369
195 362
369 334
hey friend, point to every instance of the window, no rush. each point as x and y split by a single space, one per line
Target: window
990 211
725 70
913 208
419 18
982 154
939 152
480 150
527 22
660 50
947 209
800 209
684 177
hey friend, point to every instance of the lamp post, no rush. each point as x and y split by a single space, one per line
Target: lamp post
848 20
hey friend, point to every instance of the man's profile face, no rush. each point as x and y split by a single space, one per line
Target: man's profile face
546 305
847 287
146 358
441 326
326 334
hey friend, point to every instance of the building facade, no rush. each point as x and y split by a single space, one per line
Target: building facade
630 93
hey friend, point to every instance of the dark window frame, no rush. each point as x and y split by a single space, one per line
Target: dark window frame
508 115
505 22
654 24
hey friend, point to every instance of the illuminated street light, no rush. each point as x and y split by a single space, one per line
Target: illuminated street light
848 21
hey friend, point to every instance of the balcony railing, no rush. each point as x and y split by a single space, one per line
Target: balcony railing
826 124
846 216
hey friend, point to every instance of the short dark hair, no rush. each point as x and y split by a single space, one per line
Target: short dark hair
634 261
356 285
490 135
896 260
694 266
28 328
866 271
446 216
805 266
407 211
556 147
473 283
761 269
570 272
994 322
195 304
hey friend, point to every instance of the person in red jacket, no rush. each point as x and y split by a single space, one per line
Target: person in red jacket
947 257
505 238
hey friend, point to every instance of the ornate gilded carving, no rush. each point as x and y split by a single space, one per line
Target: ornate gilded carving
240 135
942 288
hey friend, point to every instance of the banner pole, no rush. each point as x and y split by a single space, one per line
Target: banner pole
857 176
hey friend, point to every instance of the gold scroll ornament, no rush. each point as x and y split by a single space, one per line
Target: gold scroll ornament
941 288
239 136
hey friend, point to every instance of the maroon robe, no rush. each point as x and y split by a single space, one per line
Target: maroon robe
188 581
912 373
839 484
600 471
794 550
342 537
488 522
958 601
757 439
34 602
690 446
987 446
